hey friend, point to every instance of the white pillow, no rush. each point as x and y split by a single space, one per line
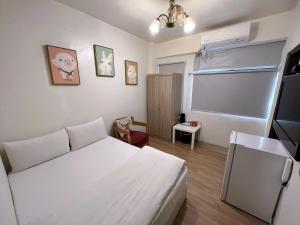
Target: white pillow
31 152
86 134
7 211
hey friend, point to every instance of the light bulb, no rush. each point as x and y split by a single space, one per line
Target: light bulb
189 25
154 27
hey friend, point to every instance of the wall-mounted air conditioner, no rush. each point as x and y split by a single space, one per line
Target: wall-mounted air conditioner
228 36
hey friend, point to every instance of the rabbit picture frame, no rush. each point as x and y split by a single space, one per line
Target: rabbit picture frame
104 61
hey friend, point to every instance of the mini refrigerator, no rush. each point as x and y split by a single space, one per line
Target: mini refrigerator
256 168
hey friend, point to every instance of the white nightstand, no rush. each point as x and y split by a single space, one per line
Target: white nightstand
186 128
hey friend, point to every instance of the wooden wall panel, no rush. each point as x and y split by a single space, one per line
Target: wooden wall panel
153 105
165 106
164 103
176 97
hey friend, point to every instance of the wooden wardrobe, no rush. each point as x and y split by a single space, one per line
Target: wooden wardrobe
164 103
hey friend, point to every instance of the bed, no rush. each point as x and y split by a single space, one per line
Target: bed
107 182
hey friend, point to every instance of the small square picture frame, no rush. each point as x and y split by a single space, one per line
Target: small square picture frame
131 72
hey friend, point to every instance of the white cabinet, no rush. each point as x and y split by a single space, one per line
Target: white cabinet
253 174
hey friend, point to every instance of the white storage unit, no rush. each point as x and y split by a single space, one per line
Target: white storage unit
254 174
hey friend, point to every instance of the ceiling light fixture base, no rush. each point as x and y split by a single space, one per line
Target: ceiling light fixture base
176 16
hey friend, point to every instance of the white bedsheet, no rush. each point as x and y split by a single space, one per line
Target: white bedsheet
108 182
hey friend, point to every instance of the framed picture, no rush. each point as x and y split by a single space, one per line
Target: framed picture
63 66
131 72
104 61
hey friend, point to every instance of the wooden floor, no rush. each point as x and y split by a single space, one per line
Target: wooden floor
205 173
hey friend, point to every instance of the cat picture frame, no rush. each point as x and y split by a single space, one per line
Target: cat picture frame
131 72
104 61
63 65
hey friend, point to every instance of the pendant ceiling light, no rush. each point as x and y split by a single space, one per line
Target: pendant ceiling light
176 16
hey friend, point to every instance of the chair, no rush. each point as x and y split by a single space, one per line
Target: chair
136 138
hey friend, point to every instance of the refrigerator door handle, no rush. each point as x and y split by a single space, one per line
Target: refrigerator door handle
287 170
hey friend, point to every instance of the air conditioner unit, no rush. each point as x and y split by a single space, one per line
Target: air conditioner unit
228 36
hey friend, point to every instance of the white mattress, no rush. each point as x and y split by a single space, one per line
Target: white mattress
173 203
40 190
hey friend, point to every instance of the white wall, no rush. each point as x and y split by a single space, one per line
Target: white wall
30 104
288 210
217 127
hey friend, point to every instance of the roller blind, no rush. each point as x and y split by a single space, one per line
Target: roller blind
238 81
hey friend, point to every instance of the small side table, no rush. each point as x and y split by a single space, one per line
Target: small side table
186 128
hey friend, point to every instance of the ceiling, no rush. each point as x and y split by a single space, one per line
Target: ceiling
135 16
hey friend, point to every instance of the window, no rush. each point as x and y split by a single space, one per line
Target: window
238 80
